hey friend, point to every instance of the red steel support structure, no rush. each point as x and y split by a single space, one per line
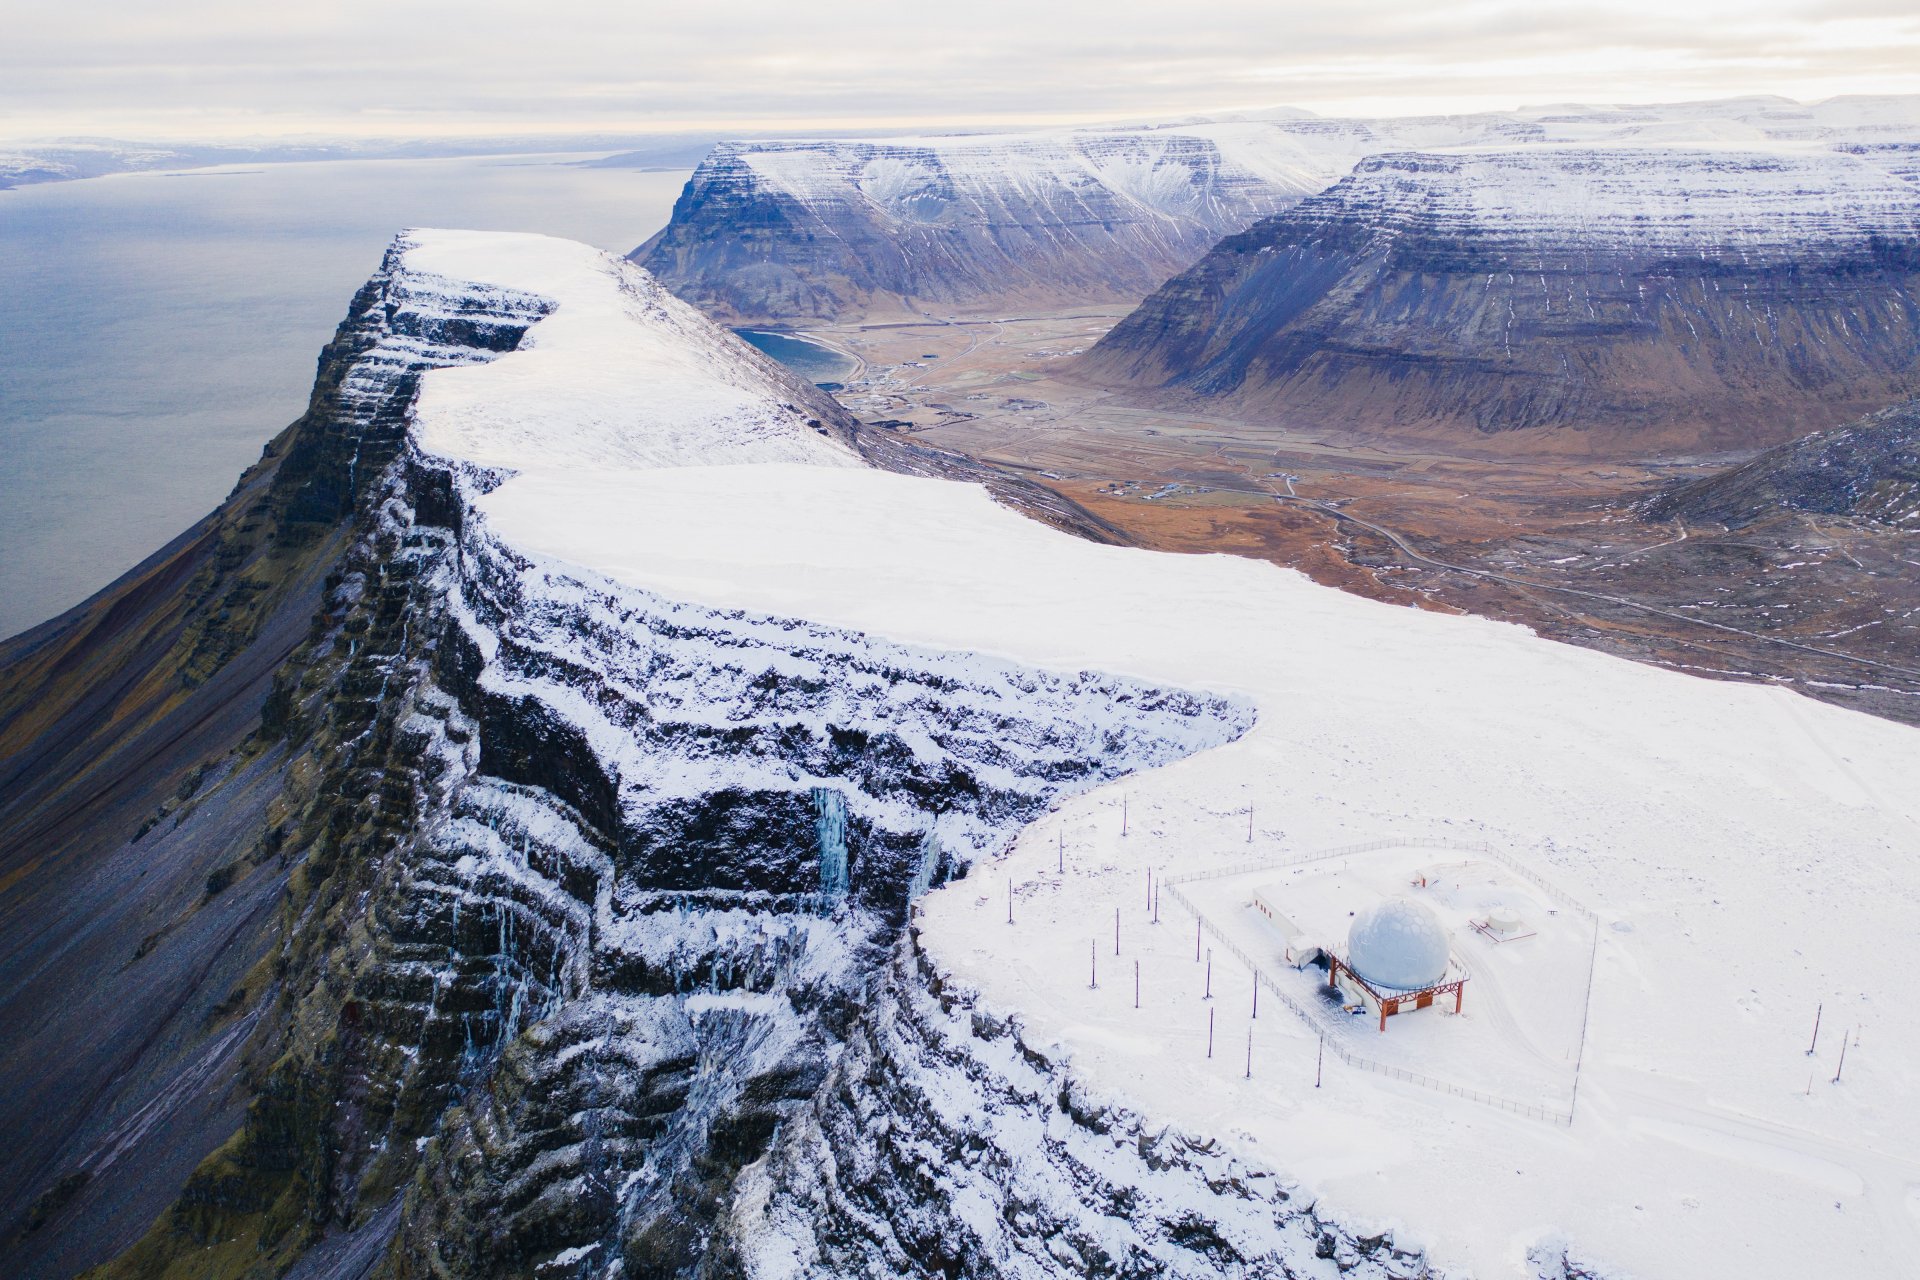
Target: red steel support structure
1390 1004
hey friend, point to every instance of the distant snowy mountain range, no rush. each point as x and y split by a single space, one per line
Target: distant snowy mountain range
843 229
67 159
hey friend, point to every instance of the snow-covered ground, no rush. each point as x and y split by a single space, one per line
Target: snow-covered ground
622 374
1519 1035
1750 854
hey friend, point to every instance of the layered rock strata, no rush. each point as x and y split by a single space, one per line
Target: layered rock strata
1590 300
779 232
591 912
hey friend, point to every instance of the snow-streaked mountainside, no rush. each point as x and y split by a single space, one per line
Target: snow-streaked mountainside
856 643
1628 296
839 229
632 743
1741 846
810 229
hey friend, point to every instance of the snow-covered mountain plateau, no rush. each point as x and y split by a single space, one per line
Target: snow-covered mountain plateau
712 854
1705 825
797 231
1593 298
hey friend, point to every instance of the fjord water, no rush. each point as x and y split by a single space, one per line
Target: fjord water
809 359
157 329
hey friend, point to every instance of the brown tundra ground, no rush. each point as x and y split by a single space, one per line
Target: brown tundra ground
1517 527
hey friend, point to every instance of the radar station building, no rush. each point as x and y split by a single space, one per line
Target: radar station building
1398 959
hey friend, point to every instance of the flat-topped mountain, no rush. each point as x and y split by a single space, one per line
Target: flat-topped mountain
789 230
774 231
556 818
1645 298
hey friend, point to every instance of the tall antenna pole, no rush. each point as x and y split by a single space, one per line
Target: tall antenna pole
1156 904
1136 984
1318 1059
1843 1058
1209 994
1093 965
1009 899
1209 1033
1249 824
1149 888
1116 931
1817 1009
1196 939
1249 1053
1256 998
1123 813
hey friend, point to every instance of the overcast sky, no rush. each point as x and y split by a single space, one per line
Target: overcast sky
206 68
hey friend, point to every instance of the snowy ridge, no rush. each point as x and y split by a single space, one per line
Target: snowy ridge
1191 169
651 675
770 231
646 681
1647 297
1204 173
623 911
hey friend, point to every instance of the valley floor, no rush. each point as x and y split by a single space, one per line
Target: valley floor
1828 607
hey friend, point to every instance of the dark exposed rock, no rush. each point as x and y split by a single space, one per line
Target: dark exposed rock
1868 470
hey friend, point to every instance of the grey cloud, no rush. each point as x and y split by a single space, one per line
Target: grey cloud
403 64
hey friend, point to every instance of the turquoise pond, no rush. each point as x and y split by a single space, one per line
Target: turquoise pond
809 359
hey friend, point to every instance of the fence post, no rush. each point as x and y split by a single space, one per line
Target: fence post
1312 1018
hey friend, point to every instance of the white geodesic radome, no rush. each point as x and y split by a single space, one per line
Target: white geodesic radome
1398 945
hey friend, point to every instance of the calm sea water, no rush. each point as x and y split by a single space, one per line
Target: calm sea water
157 329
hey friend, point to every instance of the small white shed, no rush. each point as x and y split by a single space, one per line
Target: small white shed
1296 947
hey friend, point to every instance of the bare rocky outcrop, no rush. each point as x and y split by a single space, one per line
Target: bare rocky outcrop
943 1143
1868 471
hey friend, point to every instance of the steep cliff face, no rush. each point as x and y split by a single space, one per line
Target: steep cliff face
588 955
943 1143
616 899
1596 299
144 820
